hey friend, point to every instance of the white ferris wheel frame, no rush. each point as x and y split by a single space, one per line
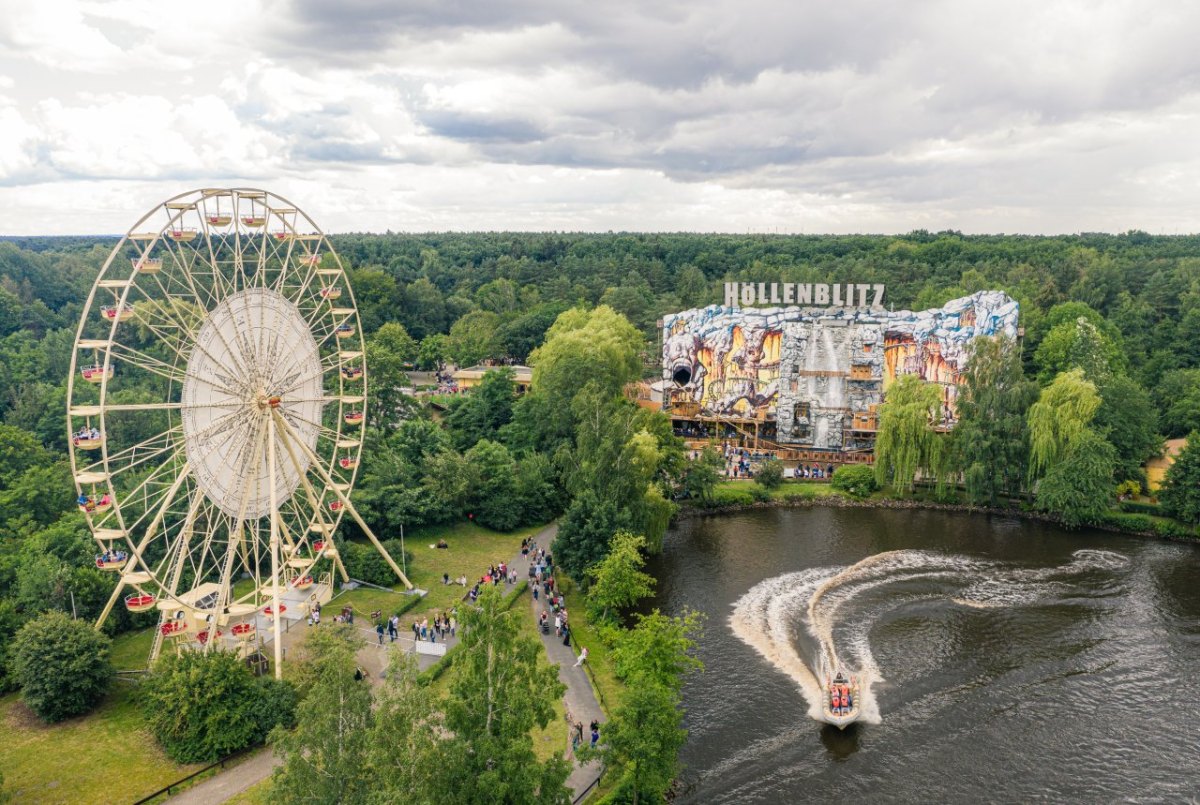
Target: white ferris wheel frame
222 272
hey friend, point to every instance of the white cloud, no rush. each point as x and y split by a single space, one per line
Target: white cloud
710 114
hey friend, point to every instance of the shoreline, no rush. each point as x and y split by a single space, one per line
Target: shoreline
688 510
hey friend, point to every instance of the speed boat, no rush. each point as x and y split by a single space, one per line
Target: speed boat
841 705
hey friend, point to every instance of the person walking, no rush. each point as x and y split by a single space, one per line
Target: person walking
582 658
393 630
379 631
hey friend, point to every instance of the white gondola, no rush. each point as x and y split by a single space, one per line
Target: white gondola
182 235
146 265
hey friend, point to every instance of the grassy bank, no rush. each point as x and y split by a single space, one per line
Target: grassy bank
105 756
736 495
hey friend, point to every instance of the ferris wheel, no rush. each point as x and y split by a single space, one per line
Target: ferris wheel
216 408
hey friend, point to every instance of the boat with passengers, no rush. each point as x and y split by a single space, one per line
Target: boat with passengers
841 706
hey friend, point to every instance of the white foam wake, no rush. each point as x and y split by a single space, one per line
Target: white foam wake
798 621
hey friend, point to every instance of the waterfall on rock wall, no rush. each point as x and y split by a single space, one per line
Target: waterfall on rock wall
811 365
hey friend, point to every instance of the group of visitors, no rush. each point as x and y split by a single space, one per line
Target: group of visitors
111 557
577 734
86 433
444 626
814 471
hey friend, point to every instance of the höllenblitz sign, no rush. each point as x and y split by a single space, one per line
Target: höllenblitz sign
817 294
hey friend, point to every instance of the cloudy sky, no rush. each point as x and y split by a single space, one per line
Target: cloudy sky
707 115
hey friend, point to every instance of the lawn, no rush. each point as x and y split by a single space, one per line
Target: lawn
131 650
107 756
788 489
257 794
472 549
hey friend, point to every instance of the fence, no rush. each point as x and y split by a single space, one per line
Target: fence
219 764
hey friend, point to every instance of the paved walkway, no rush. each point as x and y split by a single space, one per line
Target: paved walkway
227 784
580 698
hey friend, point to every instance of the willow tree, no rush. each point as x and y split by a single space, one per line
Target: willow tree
1060 416
907 441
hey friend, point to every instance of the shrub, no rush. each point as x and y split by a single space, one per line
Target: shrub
364 563
202 707
730 496
803 493
856 480
760 494
1133 507
61 666
1137 523
769 474
1170 528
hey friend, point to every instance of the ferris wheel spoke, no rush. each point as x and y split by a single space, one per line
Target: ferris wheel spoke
178 254
141 360
138 453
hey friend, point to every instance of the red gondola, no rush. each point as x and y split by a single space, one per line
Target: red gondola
139 602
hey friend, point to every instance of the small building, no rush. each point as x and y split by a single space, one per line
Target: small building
1156 468
472 376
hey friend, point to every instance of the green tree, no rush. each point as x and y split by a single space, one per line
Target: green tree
473 338
432 352
61 666
19 451
493 497
1078 337
325 758
1062 413
403 752
482 413
498 692
1178 398
618 581
388 351
769 474
990 443
598 347
702 474
1180 493
537 490
204 705
1079 488
423 310
642 740
1128 419
907 442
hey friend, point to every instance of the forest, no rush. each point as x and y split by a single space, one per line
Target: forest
1109 365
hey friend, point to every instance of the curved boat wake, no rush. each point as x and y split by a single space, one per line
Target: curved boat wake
796 620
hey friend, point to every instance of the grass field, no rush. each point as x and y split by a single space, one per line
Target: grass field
257 794
472 549
106 756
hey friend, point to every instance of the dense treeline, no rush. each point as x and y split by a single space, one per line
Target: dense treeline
1124 310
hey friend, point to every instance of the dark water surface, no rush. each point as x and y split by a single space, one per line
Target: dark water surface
1018 662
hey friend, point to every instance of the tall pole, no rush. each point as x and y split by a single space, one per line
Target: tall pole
316 464
274 547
